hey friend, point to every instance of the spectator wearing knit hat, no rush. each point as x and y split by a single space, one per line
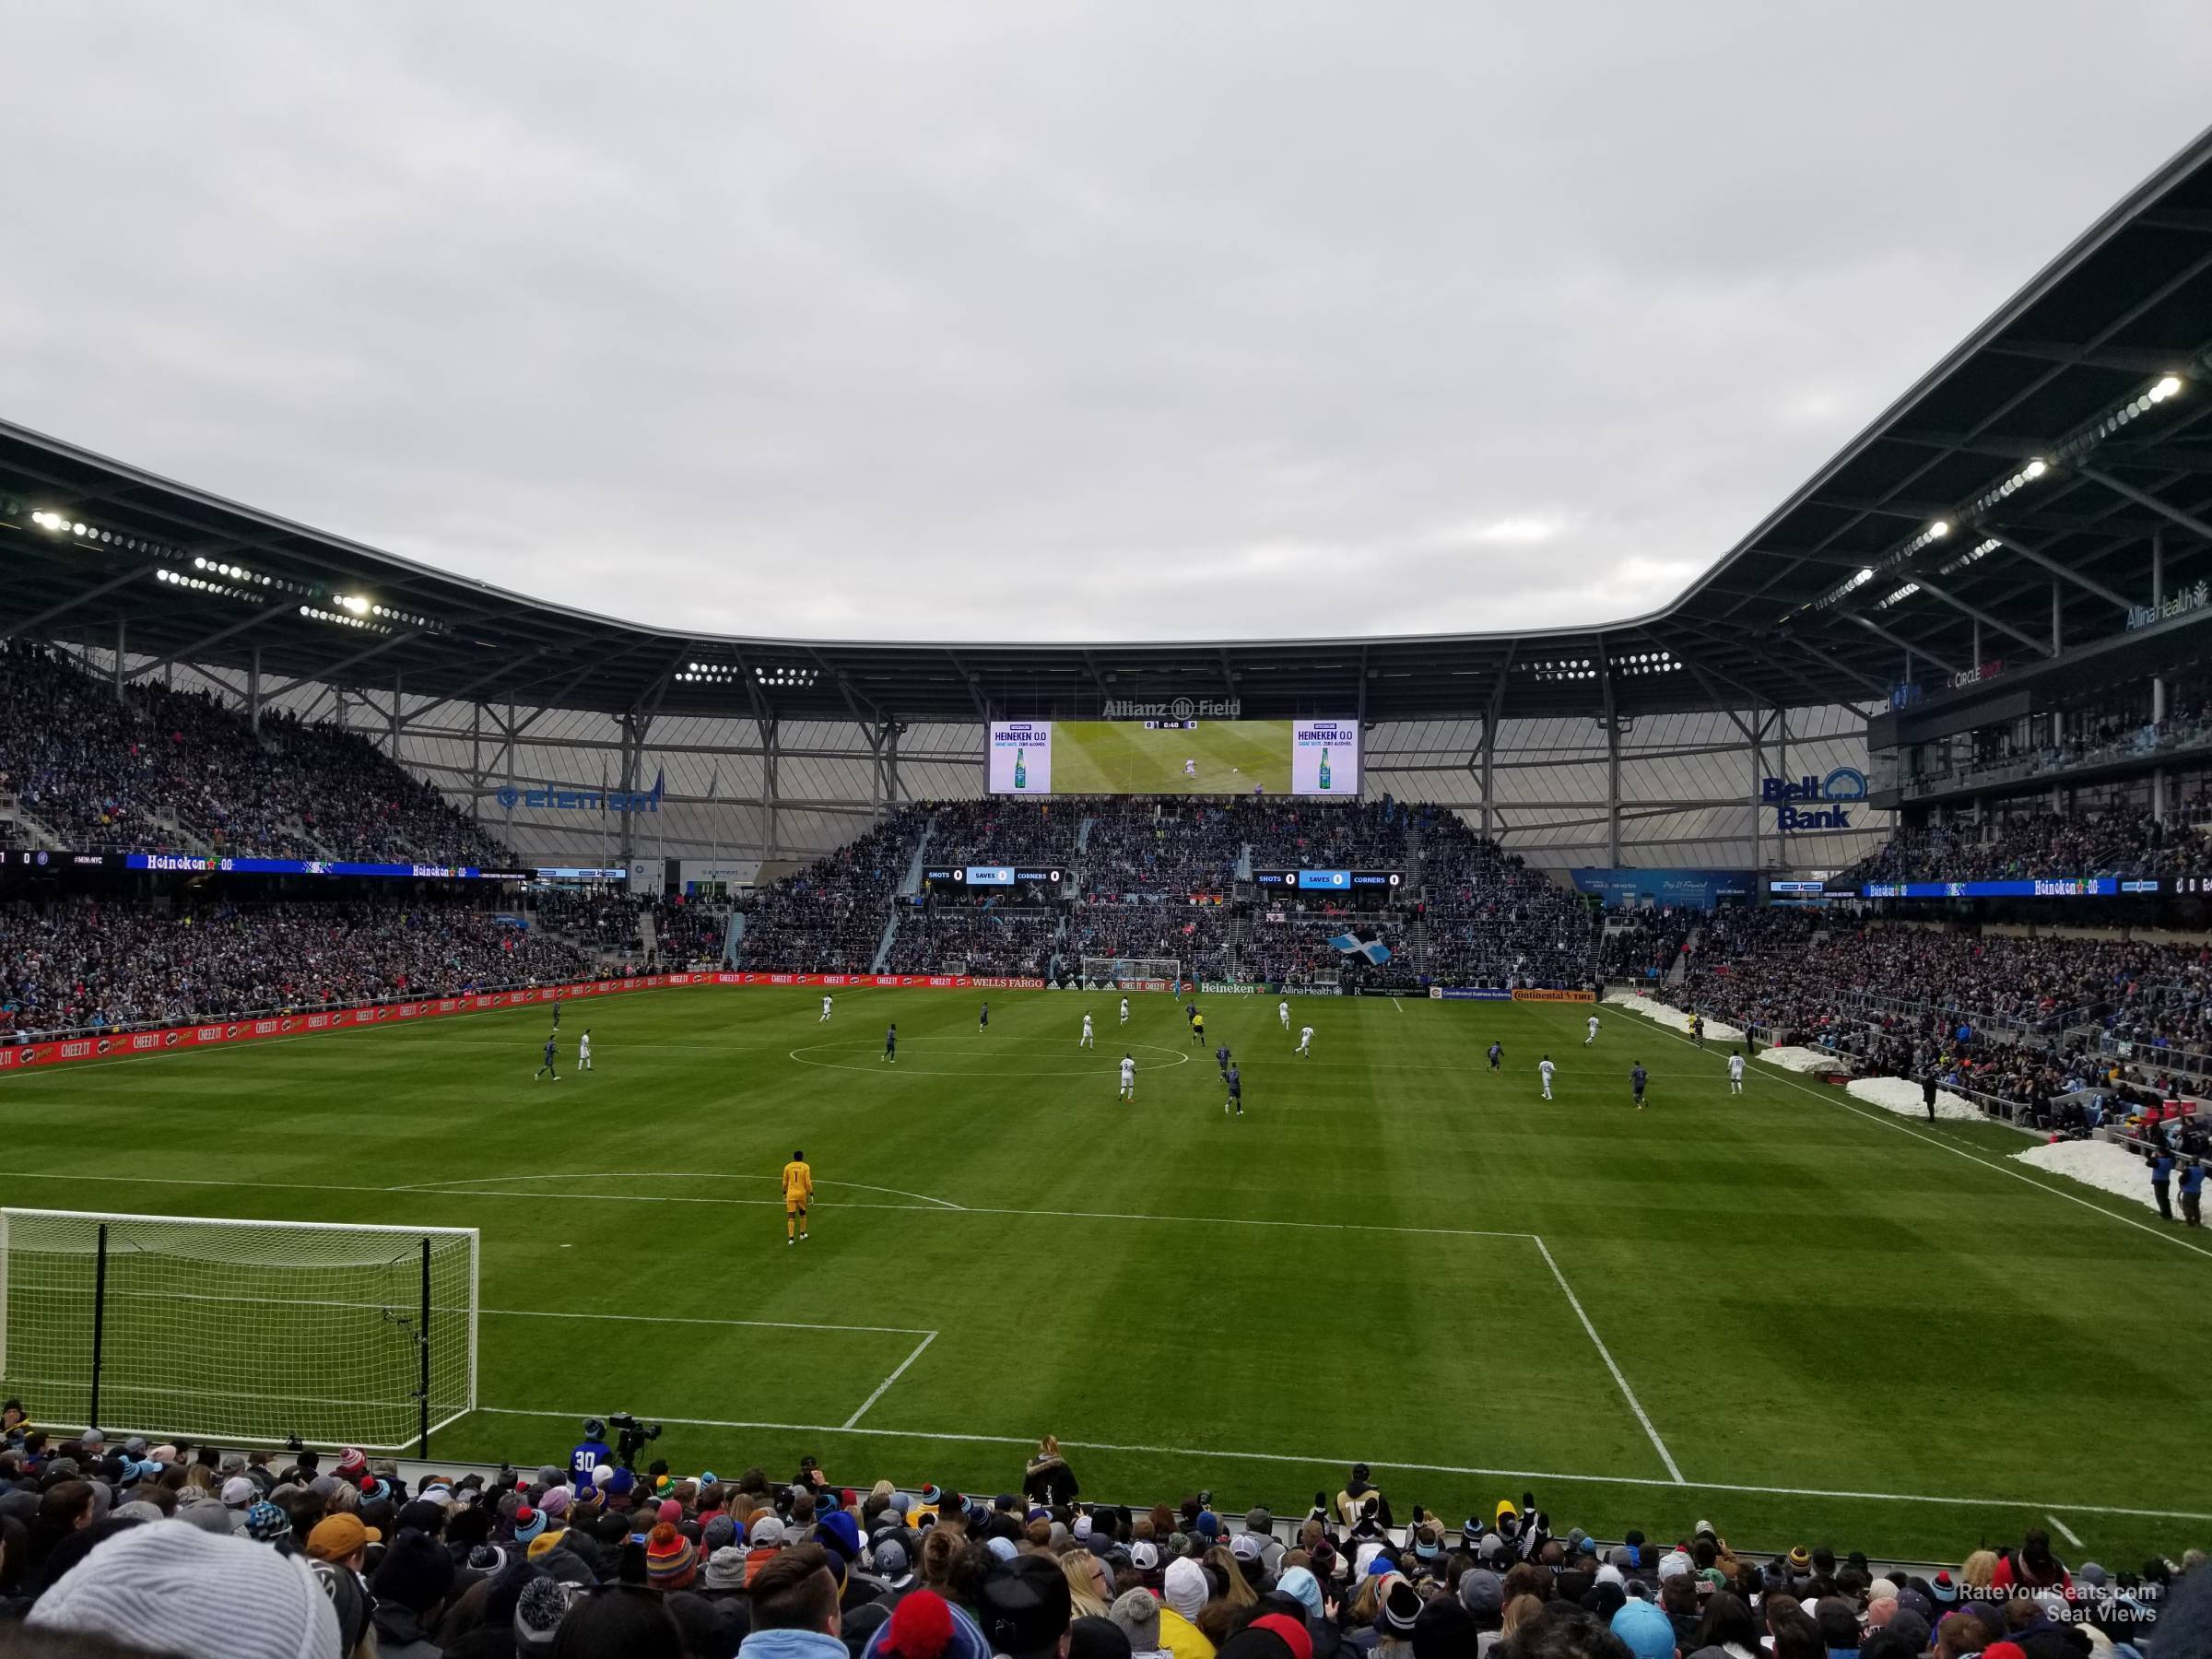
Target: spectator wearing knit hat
671 1559
1184 1594
194 1593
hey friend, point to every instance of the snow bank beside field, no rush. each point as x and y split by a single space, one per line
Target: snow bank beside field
1901 1095
1790 1058
1674 1019
2095 1163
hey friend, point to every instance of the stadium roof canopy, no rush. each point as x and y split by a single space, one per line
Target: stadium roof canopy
2018 488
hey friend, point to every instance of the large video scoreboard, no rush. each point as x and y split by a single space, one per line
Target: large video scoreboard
1315 757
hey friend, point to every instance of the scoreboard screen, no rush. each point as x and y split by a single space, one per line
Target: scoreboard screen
1307 757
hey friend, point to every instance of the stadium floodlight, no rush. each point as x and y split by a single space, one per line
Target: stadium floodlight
358 1334
2166 388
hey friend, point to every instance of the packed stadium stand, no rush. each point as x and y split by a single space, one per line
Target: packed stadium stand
153 770
274 1553
104 966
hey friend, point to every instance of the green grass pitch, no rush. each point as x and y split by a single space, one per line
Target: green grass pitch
1122 756
1831 1323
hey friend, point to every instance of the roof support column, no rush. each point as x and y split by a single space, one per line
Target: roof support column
122 641
1612 791
771 742
2057 618
396 696
1756 732
2157 683
254 692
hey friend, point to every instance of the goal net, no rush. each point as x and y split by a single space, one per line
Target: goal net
246 1330
1133 973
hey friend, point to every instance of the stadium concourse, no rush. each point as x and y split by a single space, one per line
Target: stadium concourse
295 1555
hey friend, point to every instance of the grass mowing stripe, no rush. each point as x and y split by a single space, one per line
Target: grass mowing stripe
1627 1392
1889 1120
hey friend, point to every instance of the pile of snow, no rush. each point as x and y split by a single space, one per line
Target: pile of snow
1635 1002
1792 1058
2100 1164
1901 1095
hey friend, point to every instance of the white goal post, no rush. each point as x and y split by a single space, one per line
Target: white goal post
255 1331
1132 973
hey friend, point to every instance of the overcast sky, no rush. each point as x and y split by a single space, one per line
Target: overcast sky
1042 321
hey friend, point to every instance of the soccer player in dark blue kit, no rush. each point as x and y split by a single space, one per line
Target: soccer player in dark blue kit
982 1019
1497 1055
547 1066
1235 1079
1221 1059
590 1453
1638 1078
891 1045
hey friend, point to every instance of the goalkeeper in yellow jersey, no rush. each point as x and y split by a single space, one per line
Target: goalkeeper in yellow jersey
798 1192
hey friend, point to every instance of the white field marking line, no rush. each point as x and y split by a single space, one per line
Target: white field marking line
966 1209
2065 1531
883 1387
464 1181
1394 1002
773 1324
1604 1353
1418 1469
1889 1121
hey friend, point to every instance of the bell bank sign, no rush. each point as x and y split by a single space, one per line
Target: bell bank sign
1815 802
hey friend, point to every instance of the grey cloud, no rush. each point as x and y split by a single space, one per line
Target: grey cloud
1234 320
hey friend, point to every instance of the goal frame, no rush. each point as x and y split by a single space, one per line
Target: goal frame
1136 973
424 1236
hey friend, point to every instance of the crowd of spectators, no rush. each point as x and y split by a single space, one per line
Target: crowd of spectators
111 965
1297 950
1645 945
1142 849
1493 921
134 1548
2018 1018
161 771
1197 935
830 916
992 830
1293 834
2119 841
997 940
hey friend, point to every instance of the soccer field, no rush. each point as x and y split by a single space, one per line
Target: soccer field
1124 757
1797 1316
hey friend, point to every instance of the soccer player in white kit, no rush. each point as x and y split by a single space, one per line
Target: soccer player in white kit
825 1010
1125 1011
1305 1040
1593 1037
1735 1069
1545 1067
1190 767
584 1050
1282 1012
1088 1042
1128 1078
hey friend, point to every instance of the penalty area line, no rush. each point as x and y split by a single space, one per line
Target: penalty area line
884 1387
941 1437
1604 1353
